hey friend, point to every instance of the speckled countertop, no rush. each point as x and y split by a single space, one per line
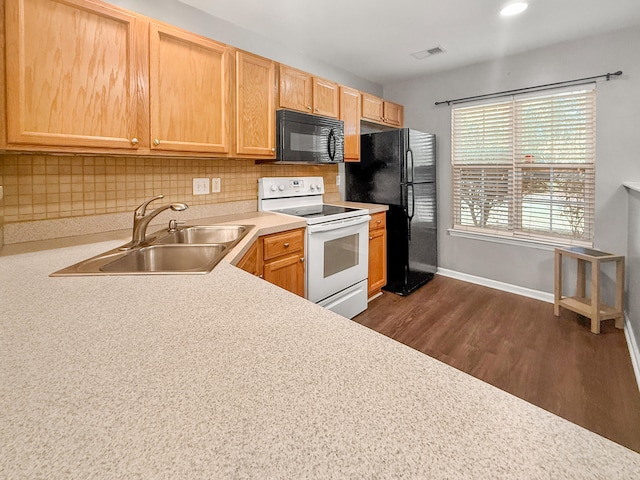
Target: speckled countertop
227 376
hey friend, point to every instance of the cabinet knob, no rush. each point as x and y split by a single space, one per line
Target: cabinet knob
286 245
134 141
302 259
378 222
260 276
309 107
156 142
370 238
273 150
317 109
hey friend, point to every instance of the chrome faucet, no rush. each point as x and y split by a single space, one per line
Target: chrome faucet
141 219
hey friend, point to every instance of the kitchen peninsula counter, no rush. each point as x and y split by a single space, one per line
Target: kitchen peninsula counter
224 375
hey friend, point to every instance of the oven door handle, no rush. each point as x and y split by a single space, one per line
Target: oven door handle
329 226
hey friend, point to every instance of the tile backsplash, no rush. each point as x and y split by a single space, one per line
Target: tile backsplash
45 187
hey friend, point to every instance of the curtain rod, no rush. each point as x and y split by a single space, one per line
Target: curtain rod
526 89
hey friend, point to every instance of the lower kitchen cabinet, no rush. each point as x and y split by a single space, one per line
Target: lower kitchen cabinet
279 259
377 253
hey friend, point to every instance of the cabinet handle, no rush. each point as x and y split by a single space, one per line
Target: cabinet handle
317 109
309 107
260 276
370 238
286 245
156 142
302 259
273 150
134 141
378 222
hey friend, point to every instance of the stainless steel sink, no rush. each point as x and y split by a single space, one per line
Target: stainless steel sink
167 259
204 234
190 250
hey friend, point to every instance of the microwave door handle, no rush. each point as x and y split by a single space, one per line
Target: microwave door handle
331 139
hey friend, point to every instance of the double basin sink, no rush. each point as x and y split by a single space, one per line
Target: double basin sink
192 249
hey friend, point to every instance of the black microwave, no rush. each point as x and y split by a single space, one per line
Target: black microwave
305 138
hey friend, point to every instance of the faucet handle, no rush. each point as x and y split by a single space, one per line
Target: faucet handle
173 225
142 209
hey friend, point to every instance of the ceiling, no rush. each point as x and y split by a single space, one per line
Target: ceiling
375 39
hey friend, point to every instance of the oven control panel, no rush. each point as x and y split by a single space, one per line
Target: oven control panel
282 187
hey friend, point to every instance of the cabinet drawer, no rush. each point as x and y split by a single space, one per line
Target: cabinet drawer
283 243
378 220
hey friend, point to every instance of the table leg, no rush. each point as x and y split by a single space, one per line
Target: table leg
557 289
620 292
595 296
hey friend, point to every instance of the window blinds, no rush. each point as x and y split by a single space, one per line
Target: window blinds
525 167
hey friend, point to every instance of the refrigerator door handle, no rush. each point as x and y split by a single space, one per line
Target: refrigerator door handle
412 204
408 155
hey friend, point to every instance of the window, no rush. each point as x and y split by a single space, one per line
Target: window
525 168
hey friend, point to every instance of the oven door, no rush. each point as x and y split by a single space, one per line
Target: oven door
337 256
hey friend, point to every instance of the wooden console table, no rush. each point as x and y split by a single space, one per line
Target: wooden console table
592 307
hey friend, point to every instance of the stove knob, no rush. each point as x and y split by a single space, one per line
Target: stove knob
319 187
281 188
312 187
273 188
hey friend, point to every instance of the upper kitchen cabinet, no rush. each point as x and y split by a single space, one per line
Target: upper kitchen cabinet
190 92
255 106
72 76
350 115
377 110
306 93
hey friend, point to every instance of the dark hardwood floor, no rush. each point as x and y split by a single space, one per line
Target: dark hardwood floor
516 344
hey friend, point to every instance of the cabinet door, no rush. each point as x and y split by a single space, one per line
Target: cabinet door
377 260
286 272
350 115
190 92
71 74
250 262
296 89
255 106
372 108
393 114
325 98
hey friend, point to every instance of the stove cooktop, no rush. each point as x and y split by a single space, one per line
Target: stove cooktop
322 212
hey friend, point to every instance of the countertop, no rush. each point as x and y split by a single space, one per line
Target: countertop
227 376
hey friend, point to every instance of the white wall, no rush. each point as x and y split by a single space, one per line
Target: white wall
189 18
618 146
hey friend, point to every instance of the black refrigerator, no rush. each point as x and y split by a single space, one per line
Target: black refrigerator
398 168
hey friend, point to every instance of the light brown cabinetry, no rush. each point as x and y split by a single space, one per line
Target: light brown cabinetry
306 93
377 110
255 89
279 259
73 75
377 253
350 115
190 84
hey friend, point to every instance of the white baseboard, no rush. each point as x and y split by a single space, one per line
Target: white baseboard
634 349
505 287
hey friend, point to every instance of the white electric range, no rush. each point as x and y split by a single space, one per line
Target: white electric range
337 241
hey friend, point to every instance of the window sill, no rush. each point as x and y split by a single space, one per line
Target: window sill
520 242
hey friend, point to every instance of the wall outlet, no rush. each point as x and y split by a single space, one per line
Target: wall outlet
337 179
215 185
200 186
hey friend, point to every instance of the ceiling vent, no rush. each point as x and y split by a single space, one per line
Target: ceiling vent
422 54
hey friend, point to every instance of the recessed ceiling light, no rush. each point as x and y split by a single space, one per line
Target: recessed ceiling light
513 9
